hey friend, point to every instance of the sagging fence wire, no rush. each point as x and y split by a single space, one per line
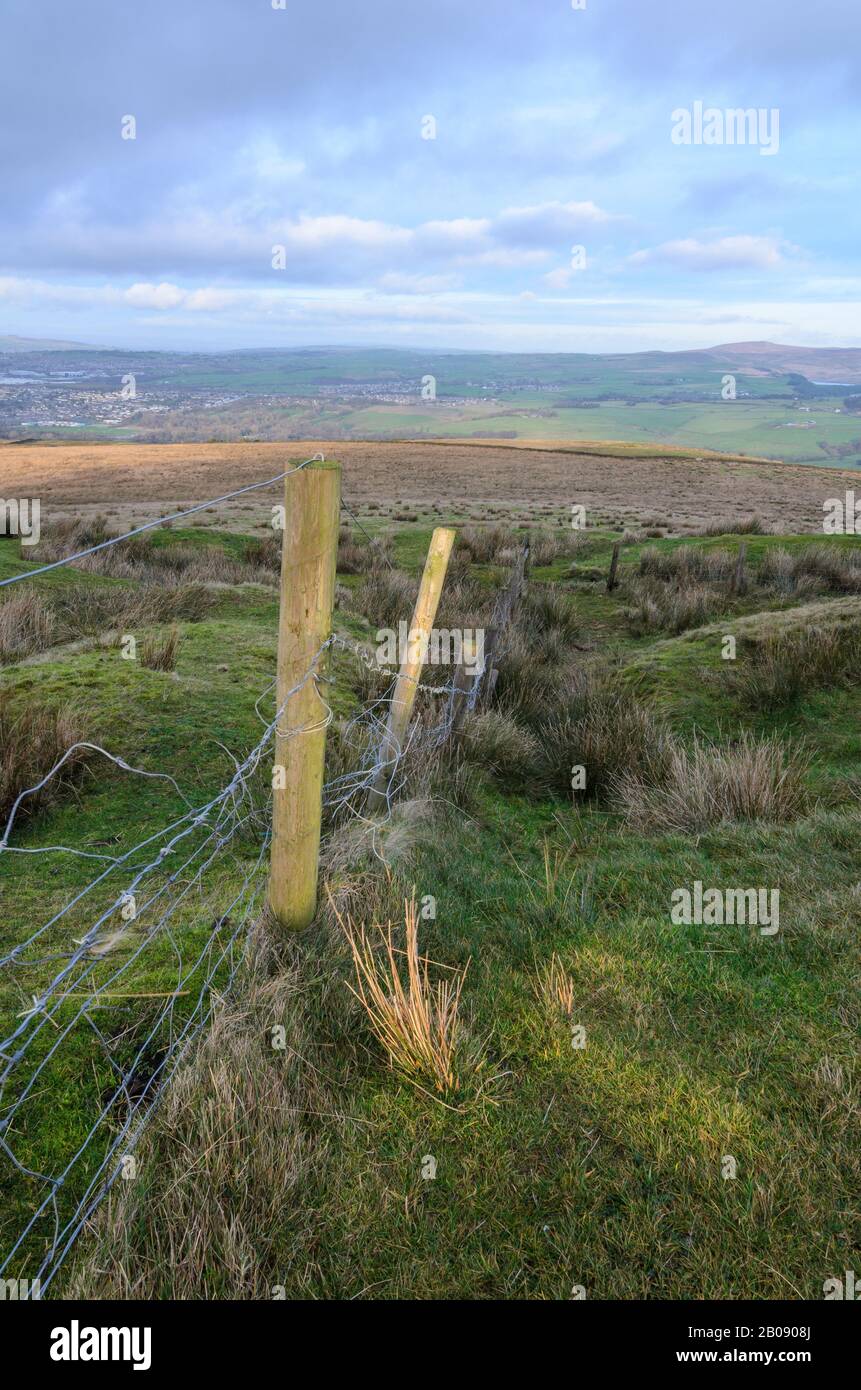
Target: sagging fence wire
163 883
33 1056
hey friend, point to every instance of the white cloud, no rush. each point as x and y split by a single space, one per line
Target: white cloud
163 296
723 253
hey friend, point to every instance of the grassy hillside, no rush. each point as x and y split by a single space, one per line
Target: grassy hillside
307 1170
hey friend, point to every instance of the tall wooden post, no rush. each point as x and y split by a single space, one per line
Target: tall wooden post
312 503
404 696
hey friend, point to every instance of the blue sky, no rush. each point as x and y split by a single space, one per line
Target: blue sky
302 128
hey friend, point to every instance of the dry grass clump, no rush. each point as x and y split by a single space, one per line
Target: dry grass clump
687 564
232 1140
678 589
143 559
554 989
495 741
605 730
66 536
783 666
530 680
815 569
548 608
706 784
160 653
385 597
359 556
547 546
31 743
418 1023
27 625
838 570
484 543
673 609
746 526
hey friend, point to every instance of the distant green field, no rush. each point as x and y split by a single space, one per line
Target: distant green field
763 428
789 404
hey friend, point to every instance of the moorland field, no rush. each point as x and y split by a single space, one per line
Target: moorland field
556 1166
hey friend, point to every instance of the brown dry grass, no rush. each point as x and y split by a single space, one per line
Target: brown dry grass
418 1024
470 480
31 743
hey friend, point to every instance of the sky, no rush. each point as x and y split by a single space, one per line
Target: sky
512 175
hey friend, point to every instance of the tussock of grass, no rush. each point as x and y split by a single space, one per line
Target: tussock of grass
687 564
783 666
160 653
495 741
31 743
705 785
27 625
605 730
554 989
386 597
232 1140
418 1023
745 526
360 556
659 609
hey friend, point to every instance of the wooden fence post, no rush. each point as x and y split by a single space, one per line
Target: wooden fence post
612 581
404 696
312 503
739 583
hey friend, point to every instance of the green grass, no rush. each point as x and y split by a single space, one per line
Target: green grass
598 1166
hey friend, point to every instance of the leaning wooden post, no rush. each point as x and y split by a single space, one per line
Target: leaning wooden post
612 581
412 660
312 504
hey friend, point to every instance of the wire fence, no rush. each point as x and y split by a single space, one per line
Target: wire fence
122 975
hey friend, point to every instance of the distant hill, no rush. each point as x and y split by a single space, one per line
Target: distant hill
817 364
11 343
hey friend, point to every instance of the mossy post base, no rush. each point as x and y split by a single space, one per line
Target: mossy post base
312 505
404 697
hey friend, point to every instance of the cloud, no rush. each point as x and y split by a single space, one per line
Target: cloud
724 253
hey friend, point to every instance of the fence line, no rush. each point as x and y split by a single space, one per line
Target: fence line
200 836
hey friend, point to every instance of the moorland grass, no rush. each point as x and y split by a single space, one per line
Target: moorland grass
305 1170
